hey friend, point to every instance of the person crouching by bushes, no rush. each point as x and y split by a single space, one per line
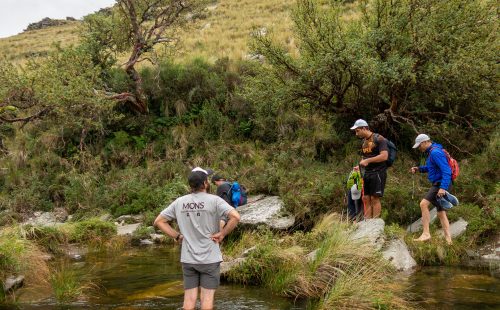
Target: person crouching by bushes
197 215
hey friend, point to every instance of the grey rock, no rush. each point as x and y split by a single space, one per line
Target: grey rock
146 242
127 229
43 219
12 283
371 230
225 267
456 228
267 211
312 256
106 217
130 219
417 225
157 237
252 199
45 23
398 255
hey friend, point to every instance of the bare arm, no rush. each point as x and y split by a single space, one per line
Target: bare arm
234 218
377 159
162 223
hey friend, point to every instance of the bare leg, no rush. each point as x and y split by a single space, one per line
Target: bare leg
377 206
426 219
207 299
190 297
443 218
368 206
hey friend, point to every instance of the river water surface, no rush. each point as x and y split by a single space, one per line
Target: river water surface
151 278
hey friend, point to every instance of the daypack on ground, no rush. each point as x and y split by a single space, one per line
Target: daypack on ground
452 162
392 150
237 194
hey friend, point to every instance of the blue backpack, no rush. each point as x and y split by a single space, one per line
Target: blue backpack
237 194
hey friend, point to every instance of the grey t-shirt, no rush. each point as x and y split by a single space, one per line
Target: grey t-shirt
198 216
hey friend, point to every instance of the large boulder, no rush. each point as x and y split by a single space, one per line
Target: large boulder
371 230
456 228
417 225
129 229
268 211
55 218
398 255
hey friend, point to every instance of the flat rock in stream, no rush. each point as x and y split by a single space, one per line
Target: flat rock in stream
268 211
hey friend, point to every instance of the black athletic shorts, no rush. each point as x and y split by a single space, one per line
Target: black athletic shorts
431 196
374 183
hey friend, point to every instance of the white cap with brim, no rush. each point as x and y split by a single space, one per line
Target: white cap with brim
359 123
355 192
421 138
206 171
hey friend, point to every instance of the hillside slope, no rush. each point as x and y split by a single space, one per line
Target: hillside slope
223 33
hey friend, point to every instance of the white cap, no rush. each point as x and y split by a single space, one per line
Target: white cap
359 123
421 138
355 192
206 171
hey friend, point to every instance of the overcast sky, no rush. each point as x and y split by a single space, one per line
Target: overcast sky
15 15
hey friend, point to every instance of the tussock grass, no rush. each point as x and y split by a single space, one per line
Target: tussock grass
68 285
19 256
342 274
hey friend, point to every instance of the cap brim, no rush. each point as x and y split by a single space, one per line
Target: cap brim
354 127
416 145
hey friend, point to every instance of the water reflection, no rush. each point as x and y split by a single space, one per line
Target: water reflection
455 288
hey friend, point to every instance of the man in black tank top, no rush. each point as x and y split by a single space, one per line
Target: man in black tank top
373 167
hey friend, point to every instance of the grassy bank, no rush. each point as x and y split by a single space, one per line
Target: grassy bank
323 265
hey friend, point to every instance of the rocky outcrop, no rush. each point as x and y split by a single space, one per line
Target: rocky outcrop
48 22
267 211
57 217
417 225
396 252
371 230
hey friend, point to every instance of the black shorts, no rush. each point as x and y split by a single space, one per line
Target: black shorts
431 196
374 183
204 275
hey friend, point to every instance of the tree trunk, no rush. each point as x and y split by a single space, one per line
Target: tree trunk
140 105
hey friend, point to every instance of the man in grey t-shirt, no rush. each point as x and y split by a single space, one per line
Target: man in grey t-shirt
197 215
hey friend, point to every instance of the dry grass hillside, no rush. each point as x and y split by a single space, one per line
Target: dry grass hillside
223 33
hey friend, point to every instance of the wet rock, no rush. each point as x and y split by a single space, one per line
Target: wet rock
398 255
146 242
130 219
371 230
417 225
12 283
268 211
456 229
127 229
487 256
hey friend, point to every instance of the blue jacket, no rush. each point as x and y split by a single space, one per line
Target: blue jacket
436 166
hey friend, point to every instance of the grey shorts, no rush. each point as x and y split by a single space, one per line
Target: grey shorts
204 275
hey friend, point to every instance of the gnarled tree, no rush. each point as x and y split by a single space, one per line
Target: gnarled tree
135 27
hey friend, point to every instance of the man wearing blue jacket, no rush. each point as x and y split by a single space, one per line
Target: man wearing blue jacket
439 174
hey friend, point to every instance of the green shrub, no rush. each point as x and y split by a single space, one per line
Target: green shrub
92 230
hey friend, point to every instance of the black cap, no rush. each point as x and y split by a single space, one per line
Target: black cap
196 179
217 177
